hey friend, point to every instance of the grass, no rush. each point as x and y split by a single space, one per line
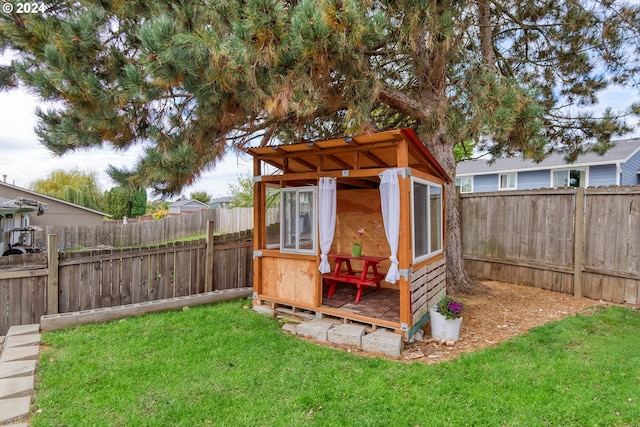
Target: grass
223 365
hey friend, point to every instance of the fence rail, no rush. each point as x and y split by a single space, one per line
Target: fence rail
137 233
579 241
39 284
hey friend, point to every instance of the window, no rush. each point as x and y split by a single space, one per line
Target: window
507 181
465 183
569 178
427 219
298 220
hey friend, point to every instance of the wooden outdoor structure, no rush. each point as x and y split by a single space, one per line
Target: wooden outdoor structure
289 279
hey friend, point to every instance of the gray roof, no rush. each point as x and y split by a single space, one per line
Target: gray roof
184 202
44 196
225 199
619 153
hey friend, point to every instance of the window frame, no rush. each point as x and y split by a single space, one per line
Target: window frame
508 175
568 171
430 253
313 221
470 178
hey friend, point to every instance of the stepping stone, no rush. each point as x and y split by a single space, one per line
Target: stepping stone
12 409
19 353
382 341
18 368
16 387
316 330
23 329
346 335
22 340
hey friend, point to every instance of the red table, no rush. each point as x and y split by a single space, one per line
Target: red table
367 277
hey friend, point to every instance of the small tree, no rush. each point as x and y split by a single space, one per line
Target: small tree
201 196
242 192
75 186
122 201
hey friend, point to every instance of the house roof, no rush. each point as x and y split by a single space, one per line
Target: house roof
225 199
21 205
43 196
184 202
357 153
619 153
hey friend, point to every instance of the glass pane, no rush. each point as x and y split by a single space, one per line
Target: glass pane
272 218
435 210
288 219
466 184
560 178
306 220
420 219
577 178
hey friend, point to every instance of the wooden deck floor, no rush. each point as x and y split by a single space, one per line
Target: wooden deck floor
384 304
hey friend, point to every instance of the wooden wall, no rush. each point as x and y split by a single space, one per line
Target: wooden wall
532 238
360 209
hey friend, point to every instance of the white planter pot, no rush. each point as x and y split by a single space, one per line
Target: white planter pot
443 329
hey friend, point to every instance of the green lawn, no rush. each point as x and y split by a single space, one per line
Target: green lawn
223 365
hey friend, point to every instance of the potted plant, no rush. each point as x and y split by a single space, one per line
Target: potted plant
356 247
446 319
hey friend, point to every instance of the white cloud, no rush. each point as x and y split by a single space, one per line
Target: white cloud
23 159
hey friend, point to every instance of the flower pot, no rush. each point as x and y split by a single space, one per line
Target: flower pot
356 249
443 329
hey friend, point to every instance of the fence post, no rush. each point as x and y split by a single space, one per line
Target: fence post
52 279
578 237
208 268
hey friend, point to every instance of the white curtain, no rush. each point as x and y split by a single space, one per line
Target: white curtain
390 199
326 219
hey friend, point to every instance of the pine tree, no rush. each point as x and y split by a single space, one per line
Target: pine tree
191 78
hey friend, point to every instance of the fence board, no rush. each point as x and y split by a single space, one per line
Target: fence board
530 240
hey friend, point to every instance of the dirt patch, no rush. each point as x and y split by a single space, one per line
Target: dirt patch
496 312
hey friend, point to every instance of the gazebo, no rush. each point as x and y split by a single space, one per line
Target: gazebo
384 191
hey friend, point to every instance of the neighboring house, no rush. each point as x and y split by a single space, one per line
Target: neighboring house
15 224
59 212
620 165
187 205
221 203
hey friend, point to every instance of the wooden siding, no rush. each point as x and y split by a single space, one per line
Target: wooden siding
529 238
58 211
530 180
602 175
630 170
427 286
483 183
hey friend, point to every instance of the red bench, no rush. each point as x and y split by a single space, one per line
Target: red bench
360 279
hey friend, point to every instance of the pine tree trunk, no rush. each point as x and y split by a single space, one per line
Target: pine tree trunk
458 280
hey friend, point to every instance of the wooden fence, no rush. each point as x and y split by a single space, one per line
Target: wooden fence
38 284
533 238
154 232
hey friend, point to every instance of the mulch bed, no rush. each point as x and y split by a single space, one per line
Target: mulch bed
496 312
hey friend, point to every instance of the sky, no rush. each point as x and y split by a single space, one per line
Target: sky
23 159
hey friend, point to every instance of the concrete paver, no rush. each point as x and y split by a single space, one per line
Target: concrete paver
22 340
13 409
19 353
16 387
18 359
18 368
